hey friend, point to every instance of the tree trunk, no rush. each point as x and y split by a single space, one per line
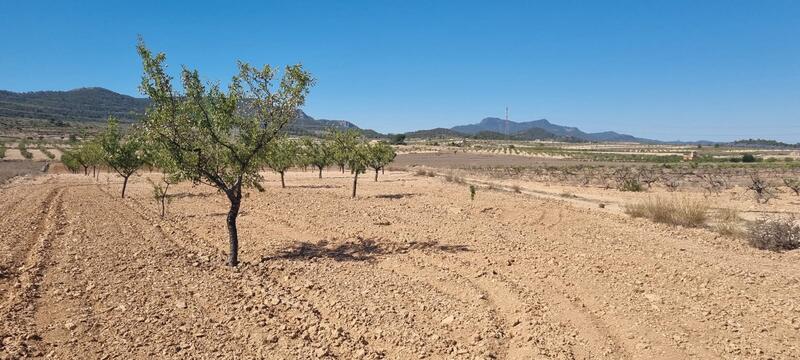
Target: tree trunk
283 183
85 171
355 183
124 185
163 205
94 171
320 172
376 174
236 200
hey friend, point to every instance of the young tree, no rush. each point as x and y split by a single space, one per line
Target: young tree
380 155
91 155
70 161
281 155
342 144
358 157
158 156
219 137
121 153
318 154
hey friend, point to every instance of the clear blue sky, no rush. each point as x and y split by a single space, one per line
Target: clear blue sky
717 70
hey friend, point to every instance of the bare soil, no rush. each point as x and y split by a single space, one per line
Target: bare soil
10 169
412 268
465 160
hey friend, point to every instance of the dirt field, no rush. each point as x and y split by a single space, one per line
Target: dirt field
410 269
464 160
10 169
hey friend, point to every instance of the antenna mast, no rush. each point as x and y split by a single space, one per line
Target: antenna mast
507 135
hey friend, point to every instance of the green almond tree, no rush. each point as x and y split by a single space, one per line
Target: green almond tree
121 153
342 144
281 155
70 161
220 137
91 155
358 158
318 154
380 155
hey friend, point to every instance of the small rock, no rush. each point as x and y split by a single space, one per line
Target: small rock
69 325
320 352
180 304
448 320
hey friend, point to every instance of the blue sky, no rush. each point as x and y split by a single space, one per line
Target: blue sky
717 70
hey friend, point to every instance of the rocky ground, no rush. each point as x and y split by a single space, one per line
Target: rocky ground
412 268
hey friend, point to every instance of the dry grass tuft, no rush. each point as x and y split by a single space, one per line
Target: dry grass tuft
729 223
675 211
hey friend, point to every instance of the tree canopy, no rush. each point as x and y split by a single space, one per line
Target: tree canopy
217 136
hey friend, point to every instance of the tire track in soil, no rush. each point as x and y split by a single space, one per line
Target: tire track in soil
446 339
19 336
292 295
464 291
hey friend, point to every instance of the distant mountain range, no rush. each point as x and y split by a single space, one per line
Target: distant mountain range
85 104
96 104
541 130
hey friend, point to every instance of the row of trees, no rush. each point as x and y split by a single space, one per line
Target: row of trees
223 138
345 149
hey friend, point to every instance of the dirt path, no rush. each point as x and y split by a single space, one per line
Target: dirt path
410 269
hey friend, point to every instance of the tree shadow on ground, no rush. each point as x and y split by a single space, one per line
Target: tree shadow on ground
193 195
314 186
360 250
395 196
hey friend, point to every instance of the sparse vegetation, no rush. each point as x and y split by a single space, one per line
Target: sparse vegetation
45 151
472 191
676 211
2 150
728 223
775 234
23 150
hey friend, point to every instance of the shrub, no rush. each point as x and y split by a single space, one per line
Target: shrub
425 173
630 185
24 151
45 151
761 188
2 150
684 212
472 191
793 184
516 189
748 158
776 234
627 180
